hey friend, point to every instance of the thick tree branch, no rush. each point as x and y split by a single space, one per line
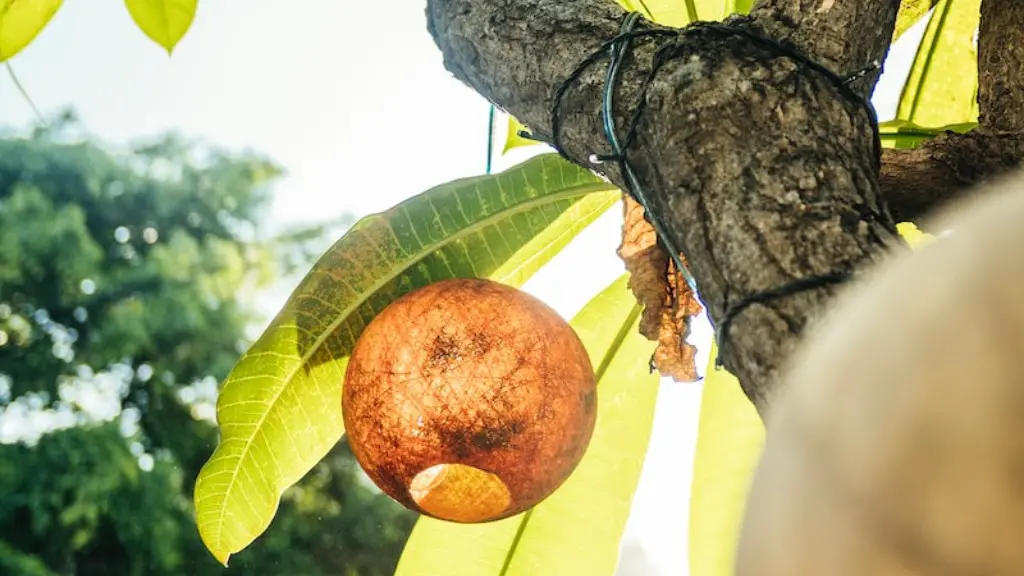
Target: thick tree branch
762 169
916 181
1001 66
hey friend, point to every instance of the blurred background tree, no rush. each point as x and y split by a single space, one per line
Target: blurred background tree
128 286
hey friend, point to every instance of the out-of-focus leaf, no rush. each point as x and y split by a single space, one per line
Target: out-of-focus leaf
913 235
577 529
910 12
942 86
164 21
21 21
279 410
730 438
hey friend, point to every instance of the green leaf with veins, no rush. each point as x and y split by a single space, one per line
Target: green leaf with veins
942 87
279 409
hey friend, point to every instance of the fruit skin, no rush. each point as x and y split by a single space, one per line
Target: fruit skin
473 372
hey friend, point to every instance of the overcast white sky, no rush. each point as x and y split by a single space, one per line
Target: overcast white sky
352 99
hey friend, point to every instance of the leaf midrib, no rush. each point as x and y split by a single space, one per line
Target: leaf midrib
580 190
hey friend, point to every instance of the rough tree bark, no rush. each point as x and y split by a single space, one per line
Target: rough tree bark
762 170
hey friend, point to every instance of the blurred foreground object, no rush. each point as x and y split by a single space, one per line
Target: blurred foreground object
895 447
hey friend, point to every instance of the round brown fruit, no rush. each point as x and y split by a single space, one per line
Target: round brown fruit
468 400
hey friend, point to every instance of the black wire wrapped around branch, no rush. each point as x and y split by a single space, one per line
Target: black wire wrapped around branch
615 50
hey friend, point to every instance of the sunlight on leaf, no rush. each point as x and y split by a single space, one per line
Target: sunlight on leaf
901 134
21 21
730 437
667 12
577 529
719 9
164 21
279 410
942 86
913 235
675 12
910 12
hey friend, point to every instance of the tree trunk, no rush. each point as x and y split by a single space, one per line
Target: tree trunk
763 170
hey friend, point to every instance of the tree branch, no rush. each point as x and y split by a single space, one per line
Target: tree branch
915 181
1001 66
762 170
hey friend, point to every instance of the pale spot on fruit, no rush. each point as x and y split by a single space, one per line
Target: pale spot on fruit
460 493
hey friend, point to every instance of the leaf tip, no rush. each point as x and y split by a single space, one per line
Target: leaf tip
218 552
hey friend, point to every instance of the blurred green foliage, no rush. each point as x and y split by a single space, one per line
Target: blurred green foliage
131 274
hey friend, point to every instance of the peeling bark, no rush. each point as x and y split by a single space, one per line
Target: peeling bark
669 303
762 170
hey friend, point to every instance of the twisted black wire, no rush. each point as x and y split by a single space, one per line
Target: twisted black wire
615 50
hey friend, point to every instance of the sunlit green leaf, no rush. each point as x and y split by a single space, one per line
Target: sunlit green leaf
280 408
164 21
676 12
730 438
513 139
942 86
578 528
913 235
902 134
21 21
667 12
910 12
718 9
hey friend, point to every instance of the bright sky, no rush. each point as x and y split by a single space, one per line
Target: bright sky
352 99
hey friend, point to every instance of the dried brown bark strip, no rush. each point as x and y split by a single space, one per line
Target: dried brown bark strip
669 303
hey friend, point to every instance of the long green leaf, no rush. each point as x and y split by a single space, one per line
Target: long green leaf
910 12
21 21
943 83
577 529
901 134
730 437
280 408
